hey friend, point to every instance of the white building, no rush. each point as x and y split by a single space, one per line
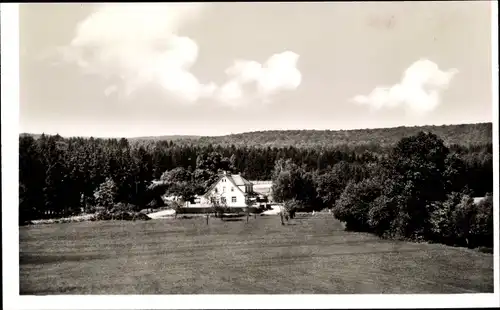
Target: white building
231 189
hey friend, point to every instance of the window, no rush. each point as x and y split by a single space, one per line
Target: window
216 190
223 189
223 200
232 189
233 199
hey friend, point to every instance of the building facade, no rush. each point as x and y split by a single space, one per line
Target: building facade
231 189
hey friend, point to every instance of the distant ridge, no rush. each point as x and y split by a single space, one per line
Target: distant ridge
479 133
168 137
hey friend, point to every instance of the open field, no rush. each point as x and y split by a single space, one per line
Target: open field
311 255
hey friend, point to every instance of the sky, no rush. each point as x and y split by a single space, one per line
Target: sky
128 70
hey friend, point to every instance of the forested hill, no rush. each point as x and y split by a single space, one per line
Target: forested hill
464 134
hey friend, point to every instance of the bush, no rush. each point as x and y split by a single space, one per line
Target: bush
219 210
123 207
140 217
291 207
121 215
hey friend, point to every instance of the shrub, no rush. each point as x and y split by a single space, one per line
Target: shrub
291 207
123 207
219 211
140 217
121 215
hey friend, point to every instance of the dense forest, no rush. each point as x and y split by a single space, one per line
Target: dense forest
464 134
65 176
419 191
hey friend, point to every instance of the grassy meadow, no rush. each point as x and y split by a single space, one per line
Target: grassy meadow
313 254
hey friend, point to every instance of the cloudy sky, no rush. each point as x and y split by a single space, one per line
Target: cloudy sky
211 69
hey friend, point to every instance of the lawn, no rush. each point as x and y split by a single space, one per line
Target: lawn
185 256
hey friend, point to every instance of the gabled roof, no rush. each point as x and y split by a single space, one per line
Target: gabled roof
236 179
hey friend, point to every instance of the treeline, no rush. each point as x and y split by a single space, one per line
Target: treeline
60 176
420 190
465 134
369 139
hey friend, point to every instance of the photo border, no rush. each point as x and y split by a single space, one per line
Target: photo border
10 228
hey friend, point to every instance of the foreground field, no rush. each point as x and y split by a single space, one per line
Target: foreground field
311 255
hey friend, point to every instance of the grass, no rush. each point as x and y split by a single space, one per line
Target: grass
312 255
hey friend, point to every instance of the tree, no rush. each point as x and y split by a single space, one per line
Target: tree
58 176
105 195
354 204
177 206
482 226
291 182
381 215
176 175
203 179
416 166
31 180
463 219
332 182
290 208
214 162
53 191
286 180
455 173
441 219
155 191
249 204
218 206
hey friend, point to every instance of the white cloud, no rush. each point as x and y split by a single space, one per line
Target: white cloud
418 91
277 74
139 45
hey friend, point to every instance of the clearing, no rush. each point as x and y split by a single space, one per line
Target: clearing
185 256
